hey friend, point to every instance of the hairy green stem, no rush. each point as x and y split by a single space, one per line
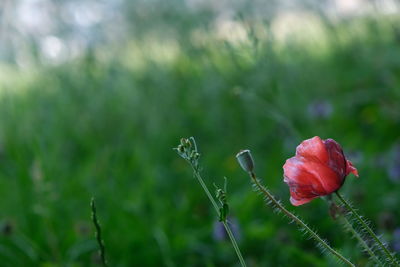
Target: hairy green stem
389 255
98 233
226 226
362 242
297 220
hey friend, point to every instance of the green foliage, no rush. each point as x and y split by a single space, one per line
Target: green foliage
104 127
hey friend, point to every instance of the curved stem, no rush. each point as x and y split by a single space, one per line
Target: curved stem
364 244
226 226
297 220
368 229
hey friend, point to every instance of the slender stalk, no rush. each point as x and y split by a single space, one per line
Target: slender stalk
187 149
98 233
389 255
362 242
297 220
234 243
226 226
203 185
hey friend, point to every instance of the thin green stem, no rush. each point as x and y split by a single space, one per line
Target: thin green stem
362 242
227 228
203 185
98 233
368 229
234 243
297 220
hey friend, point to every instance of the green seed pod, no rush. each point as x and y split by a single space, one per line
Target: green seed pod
245 160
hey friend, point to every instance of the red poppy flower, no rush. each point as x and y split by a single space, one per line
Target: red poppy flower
319 168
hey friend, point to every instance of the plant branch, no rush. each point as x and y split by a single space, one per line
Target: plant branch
389 255
187 149
226 226
297 220
362 242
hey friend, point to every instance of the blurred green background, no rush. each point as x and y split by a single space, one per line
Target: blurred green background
95 94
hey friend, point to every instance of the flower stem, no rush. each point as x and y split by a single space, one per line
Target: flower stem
297 220
389 255
234 243
227 228
362 242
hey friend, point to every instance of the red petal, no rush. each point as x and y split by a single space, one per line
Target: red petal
313 149
296 173
321 179
319 168
300 194
337 161
299 191
298 202
328 179
350 168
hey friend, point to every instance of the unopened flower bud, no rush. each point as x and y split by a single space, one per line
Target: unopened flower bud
194 155
187 143
181 149
183 141
245 160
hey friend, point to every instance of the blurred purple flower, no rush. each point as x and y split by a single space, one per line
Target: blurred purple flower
219 232
396 240
320 109
394 164
394 173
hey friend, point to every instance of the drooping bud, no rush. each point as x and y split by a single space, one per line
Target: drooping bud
245 160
